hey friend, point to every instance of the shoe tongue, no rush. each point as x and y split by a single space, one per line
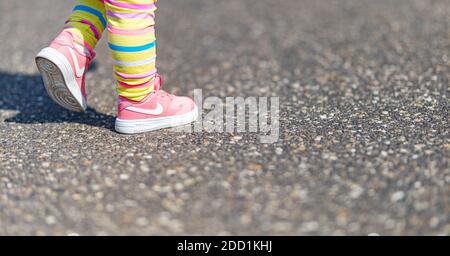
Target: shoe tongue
85 51
157 82
81 46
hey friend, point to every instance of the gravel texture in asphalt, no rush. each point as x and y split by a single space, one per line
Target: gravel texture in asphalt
364 125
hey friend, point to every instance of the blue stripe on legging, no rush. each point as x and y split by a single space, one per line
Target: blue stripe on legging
131 48
91 11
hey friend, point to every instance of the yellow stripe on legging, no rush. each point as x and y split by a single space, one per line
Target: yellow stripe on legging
134 94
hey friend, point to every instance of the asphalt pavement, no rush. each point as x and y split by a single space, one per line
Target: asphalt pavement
363 146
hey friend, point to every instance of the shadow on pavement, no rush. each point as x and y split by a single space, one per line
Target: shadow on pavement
26 95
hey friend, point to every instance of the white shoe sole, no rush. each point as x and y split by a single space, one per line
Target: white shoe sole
59 80
152 124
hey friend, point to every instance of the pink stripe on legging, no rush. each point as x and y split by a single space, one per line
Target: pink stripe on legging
92 27
130 31
136 76
124 15
125 85
131 6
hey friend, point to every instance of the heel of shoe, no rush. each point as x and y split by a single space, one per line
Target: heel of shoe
59 80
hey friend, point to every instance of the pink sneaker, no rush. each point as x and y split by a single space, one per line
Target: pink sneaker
63 66
156 111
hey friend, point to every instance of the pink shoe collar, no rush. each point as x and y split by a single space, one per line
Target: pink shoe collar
85 49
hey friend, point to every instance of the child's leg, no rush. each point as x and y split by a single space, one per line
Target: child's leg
87 21
133 44
132 41
64 63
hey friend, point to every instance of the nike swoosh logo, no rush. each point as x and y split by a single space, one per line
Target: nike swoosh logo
156 111
78 71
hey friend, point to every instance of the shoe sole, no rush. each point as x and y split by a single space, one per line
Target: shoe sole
147 125
59 80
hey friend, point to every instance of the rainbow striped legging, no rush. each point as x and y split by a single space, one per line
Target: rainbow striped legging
131 38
